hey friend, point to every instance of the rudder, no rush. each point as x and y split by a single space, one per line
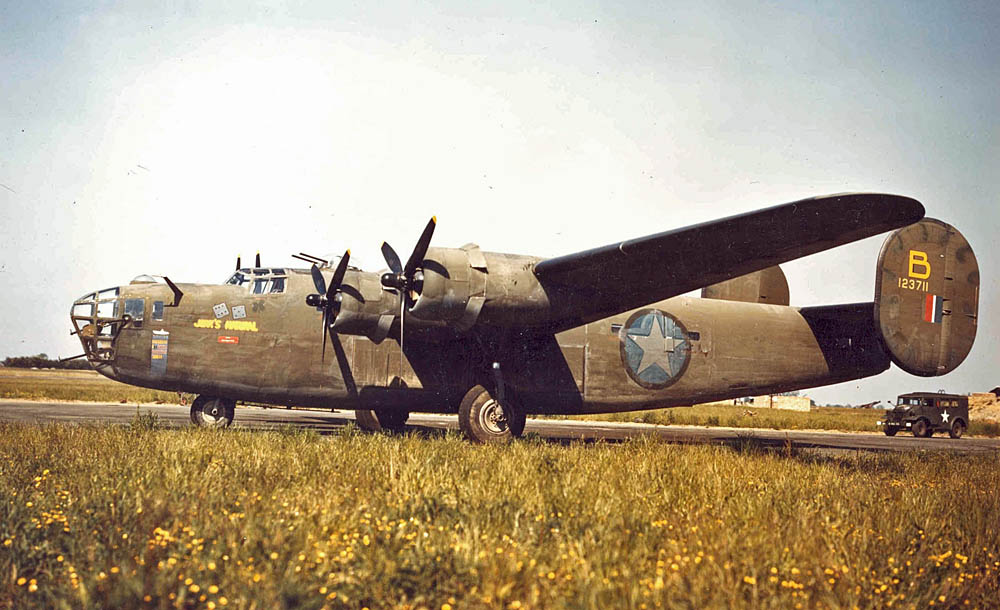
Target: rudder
927 297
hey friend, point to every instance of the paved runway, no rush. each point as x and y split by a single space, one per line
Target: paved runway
556 430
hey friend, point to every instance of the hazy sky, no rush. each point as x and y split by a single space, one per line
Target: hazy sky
138 138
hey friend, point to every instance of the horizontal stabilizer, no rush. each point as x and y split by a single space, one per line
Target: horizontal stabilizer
927 297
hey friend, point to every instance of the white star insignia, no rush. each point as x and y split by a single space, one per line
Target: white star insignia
656 347
944 416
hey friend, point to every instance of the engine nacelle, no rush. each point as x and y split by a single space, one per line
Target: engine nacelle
365 309
453 286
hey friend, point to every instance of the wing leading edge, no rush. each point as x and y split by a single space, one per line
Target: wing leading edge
601 282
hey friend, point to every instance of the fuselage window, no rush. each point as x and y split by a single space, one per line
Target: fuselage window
134 309
259 285
158 310
277 285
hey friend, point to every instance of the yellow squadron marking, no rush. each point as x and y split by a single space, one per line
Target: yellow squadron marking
216 324
919 259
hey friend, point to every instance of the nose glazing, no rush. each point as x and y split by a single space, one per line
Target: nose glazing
96 321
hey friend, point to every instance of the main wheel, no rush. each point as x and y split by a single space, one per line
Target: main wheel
957 429
920 428
484 420
890 431
212 412
381 420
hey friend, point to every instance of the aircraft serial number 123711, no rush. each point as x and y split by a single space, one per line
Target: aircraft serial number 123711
494 337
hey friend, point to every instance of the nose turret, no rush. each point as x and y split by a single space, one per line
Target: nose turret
96 321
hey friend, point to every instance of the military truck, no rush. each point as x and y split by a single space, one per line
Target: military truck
924 413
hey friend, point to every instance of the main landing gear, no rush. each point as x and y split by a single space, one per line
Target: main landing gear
381 420
212 412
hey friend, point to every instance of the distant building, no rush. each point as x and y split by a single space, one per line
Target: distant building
773 401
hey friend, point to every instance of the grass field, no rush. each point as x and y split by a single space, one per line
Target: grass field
142 517
819 418
54 384
89 385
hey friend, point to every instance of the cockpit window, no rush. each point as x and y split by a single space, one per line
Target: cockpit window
134 309
260 280
238 279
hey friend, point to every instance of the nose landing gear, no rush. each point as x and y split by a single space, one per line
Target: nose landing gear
484 419
212 412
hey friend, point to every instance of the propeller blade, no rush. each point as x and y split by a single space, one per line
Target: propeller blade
257 262
420 250
402 313
318 280
237 262
338 276
391 258
325 332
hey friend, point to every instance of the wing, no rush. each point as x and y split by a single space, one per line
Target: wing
597 283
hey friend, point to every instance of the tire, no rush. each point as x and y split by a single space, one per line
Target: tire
920 428
957 429
484 420
213 412
890 431
381 420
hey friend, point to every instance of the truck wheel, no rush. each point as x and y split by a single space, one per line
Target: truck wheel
212 412
920 428
957 429
484 420
890 431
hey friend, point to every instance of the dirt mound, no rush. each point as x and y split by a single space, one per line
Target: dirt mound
984 405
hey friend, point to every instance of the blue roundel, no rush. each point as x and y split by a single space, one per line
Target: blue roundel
655 348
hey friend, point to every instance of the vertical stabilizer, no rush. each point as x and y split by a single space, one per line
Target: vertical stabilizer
927 297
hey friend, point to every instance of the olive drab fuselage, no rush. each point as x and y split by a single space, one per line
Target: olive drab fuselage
271 354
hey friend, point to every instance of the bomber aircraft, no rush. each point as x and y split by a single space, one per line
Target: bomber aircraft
494 337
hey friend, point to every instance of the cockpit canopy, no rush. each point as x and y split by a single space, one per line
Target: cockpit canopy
260 280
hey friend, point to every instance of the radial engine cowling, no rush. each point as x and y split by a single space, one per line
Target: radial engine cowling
453 286
364 308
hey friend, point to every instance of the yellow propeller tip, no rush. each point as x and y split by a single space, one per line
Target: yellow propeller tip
435 219
348 252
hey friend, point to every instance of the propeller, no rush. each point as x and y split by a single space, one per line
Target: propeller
257 262
328 297
237 262
409 278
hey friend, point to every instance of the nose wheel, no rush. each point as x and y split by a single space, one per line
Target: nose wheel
483 419
212 412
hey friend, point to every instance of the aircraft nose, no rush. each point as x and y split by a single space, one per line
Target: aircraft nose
96 319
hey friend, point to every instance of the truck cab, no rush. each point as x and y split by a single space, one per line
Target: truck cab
924 413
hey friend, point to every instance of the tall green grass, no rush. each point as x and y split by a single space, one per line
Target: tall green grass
143 517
